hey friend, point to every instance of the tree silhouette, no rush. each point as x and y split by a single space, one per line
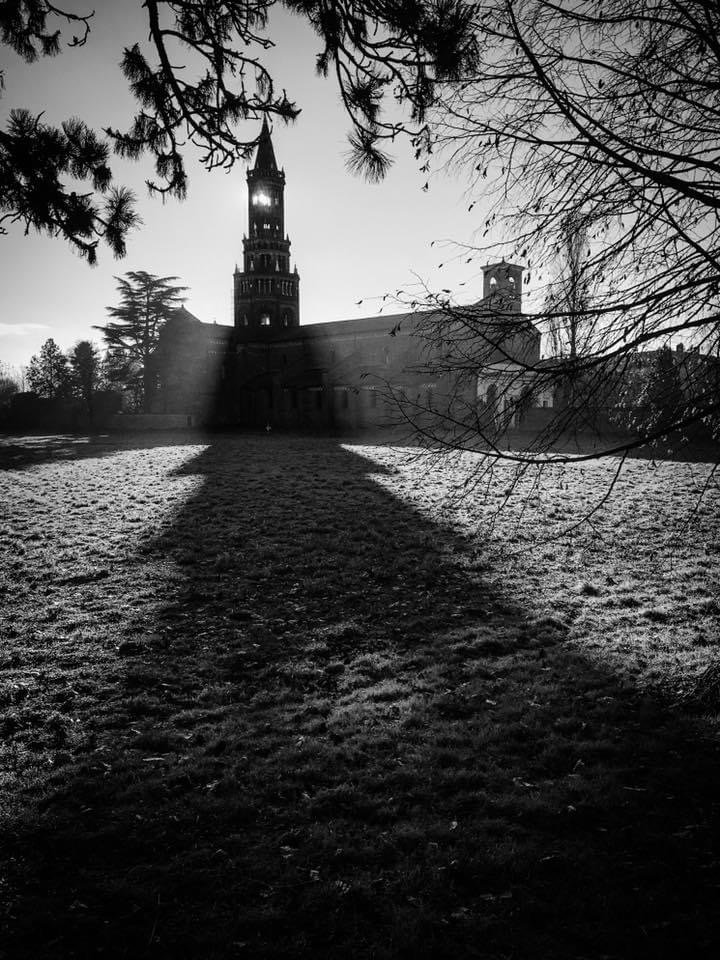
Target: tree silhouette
8 385
661 402
87 373
203 76
602 116
146 303
48 373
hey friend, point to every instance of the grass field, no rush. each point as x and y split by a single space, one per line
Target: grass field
284 697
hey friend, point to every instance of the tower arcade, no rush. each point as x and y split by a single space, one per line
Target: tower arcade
266 291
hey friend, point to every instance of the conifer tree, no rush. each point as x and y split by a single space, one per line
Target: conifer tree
146 303
374 51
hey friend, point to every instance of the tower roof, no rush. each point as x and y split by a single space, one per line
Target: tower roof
265 156
504 264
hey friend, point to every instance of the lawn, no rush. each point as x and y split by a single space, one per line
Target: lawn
265 697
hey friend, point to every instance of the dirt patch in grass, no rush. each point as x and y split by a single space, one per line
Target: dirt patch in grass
265 697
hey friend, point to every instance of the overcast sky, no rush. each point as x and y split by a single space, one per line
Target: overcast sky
351 240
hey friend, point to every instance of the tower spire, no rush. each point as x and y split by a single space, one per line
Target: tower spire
265 156
266 288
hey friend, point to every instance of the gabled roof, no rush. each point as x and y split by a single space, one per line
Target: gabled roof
265 156
182 313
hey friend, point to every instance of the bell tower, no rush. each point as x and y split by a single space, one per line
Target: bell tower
266 291
502 286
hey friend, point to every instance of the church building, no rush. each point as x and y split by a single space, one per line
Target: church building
268 369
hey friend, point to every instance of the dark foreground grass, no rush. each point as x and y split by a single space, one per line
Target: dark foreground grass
268 697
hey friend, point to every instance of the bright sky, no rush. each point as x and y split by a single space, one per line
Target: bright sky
351 240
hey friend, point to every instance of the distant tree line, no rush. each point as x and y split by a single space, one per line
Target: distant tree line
97 380
60 388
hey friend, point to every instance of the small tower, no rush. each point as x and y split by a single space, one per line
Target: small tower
502 286
266 291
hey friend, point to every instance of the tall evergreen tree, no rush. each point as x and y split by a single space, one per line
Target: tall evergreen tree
146 303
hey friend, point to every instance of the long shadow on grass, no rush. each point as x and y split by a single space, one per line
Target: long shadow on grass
335 738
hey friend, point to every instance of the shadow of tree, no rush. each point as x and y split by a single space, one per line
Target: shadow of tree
330 734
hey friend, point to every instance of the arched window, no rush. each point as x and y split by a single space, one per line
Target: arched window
264 319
